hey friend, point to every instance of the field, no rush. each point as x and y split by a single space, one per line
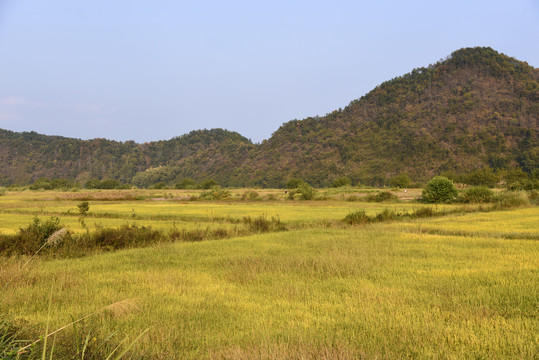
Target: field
463 285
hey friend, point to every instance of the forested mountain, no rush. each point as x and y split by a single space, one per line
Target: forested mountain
476 108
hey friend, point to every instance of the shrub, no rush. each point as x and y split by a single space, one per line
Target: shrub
524 184
358 217
250 195
424 212
477 194
438 190
262 224
28 240
306 191
383 196
83 207
123 237
509 199
216 193
386 215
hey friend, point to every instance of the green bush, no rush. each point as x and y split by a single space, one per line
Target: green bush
306 191
477 195
358 217
216 193
424 212
382 196
28 240
250 195
439 190
510 199
262 224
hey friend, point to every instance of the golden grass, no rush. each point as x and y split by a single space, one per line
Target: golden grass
451 287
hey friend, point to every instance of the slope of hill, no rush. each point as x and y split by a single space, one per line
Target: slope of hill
474 109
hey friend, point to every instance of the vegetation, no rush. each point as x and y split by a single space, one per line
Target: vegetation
320 289
439 190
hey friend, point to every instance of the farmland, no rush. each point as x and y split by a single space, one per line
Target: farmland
461 285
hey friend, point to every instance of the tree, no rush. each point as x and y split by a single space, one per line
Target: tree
439 189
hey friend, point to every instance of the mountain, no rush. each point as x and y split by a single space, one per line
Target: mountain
474 109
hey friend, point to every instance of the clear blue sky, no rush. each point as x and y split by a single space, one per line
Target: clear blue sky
152 70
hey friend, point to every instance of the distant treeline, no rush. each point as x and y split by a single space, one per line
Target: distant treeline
513 179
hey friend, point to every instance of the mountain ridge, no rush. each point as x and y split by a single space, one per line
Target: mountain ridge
476 108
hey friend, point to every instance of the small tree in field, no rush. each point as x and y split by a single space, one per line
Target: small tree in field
439 189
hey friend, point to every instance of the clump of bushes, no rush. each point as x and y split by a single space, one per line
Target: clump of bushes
52 184
215 193
31 238
476 195
303 190
382 196
105 184
510 199
358 217
262 224
250 195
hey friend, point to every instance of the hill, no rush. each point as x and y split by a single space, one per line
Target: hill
474 109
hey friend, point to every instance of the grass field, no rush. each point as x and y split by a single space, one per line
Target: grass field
457 286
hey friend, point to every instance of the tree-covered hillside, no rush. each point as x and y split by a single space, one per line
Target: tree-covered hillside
475 109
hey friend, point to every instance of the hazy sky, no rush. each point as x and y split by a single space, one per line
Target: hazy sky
152 70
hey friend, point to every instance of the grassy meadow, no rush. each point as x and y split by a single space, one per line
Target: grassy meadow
463 285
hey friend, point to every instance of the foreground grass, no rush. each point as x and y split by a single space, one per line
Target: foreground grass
374 291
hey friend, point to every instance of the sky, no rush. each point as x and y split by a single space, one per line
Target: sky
154 70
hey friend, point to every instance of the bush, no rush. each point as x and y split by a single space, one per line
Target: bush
262 224
477 195
358 217
28 240
383 196
250 195
438 190
216 193
306 191
510 199
83 207
524 184
123 237
424 212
